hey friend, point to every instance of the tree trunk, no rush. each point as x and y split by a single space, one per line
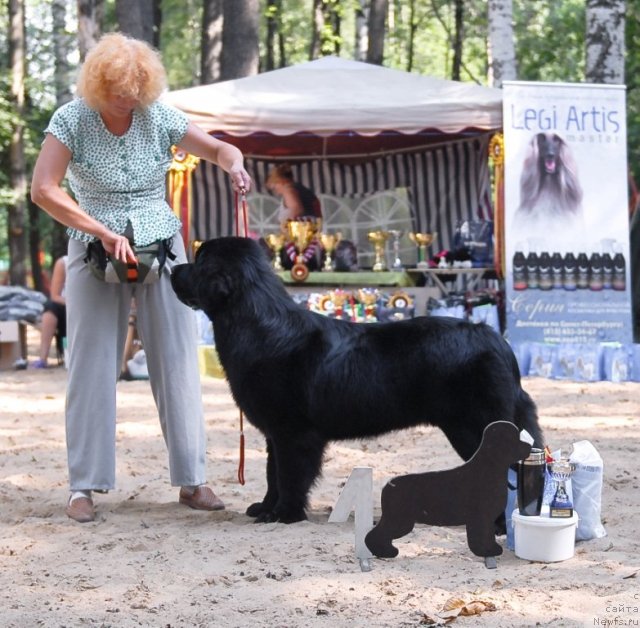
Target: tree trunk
605 41
90 16
137 18
377 19
458 40
362 31
62 44
413 28
240 50
211 41
316 30
273 20
17 174
502 55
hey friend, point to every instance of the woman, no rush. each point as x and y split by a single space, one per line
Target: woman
54 317
297 202
114 143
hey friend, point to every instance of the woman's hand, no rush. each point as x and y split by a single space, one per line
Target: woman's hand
118 247
240 178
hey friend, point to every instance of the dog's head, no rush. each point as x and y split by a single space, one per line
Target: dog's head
221 265
549 147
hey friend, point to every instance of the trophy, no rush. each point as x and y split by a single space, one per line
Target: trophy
276 242
301 232
195 245
378 238
561 506
396 234
422 241
329 242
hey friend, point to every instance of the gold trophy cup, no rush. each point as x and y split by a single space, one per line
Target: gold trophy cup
422 241
329 242
379 239
275 241
301 232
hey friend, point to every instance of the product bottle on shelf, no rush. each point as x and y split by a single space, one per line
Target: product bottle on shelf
533 270
556 270
607 271
519 271
544 273
619 280
569 275
582 274
596 272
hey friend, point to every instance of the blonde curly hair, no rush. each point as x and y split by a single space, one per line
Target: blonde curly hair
121 66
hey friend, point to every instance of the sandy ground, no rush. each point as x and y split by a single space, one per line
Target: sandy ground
148 561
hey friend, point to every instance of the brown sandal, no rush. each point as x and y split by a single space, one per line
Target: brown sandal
203 498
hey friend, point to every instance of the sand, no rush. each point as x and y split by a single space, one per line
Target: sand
148 561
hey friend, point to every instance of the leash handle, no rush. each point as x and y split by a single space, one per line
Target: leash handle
241 208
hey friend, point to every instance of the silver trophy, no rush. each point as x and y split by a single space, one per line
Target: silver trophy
396 234
561 506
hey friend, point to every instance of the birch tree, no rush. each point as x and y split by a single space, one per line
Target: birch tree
502 54
605 41
361 30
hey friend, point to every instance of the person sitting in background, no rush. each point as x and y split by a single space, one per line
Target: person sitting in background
297 202
54 317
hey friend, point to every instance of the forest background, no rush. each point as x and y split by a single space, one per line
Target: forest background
43 42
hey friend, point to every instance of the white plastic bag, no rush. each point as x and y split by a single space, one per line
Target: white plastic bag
586 485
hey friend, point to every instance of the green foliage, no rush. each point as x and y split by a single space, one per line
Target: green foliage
180 41
550 40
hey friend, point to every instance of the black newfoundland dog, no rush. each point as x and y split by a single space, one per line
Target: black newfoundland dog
304 379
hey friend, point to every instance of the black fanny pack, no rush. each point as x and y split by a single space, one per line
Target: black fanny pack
151 261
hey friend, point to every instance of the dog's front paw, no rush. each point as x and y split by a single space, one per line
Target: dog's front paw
256 509
280 516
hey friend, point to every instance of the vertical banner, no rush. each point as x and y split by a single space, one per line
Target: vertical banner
566 213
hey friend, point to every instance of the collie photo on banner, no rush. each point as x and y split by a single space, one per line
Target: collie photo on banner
566 213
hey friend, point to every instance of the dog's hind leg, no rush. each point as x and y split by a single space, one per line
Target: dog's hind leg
271 497
298 461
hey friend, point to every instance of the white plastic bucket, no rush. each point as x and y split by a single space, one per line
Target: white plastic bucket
544 539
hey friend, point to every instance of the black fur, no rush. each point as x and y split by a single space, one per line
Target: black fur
304 379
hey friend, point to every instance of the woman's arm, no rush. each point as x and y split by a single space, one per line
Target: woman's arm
58 278
223 154
47 192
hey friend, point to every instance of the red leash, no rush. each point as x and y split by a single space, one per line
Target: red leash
241 207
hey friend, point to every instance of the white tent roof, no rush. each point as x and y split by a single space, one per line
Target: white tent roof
331 94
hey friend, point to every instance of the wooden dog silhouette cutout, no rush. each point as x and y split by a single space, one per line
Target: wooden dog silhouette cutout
473 494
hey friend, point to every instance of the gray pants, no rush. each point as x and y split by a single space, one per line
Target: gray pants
97 320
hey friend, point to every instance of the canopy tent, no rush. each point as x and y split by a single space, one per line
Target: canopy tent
350 128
